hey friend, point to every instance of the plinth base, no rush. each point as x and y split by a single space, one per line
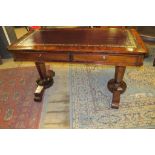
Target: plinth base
43 84
113 86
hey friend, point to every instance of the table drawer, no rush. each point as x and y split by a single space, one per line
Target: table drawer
55 57
109 59
41 57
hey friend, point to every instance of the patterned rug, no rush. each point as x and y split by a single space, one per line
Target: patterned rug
90 99
17 108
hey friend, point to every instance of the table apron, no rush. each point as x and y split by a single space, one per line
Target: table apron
107 59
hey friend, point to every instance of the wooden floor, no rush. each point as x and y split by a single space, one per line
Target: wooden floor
55 112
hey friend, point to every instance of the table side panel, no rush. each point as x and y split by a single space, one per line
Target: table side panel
141 47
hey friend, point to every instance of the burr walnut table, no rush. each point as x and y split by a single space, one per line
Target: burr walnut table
105 46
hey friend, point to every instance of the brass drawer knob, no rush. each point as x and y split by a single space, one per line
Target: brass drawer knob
104 57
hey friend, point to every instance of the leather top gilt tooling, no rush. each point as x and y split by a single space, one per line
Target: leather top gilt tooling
114 37
86 39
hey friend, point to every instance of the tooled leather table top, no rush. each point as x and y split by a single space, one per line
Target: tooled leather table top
86 39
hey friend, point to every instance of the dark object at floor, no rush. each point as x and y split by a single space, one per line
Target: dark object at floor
147 33
7 36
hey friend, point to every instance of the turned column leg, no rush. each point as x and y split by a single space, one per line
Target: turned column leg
45 80
117 86
41 69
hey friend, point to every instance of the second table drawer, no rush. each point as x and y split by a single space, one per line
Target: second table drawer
108 59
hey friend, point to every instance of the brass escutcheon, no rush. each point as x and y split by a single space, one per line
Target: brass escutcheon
104 57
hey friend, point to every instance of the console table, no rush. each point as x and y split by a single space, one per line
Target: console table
105 46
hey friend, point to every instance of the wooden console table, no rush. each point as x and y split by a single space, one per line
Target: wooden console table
105 46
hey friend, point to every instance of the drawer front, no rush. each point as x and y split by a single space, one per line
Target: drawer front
55 57
41 57
122 60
